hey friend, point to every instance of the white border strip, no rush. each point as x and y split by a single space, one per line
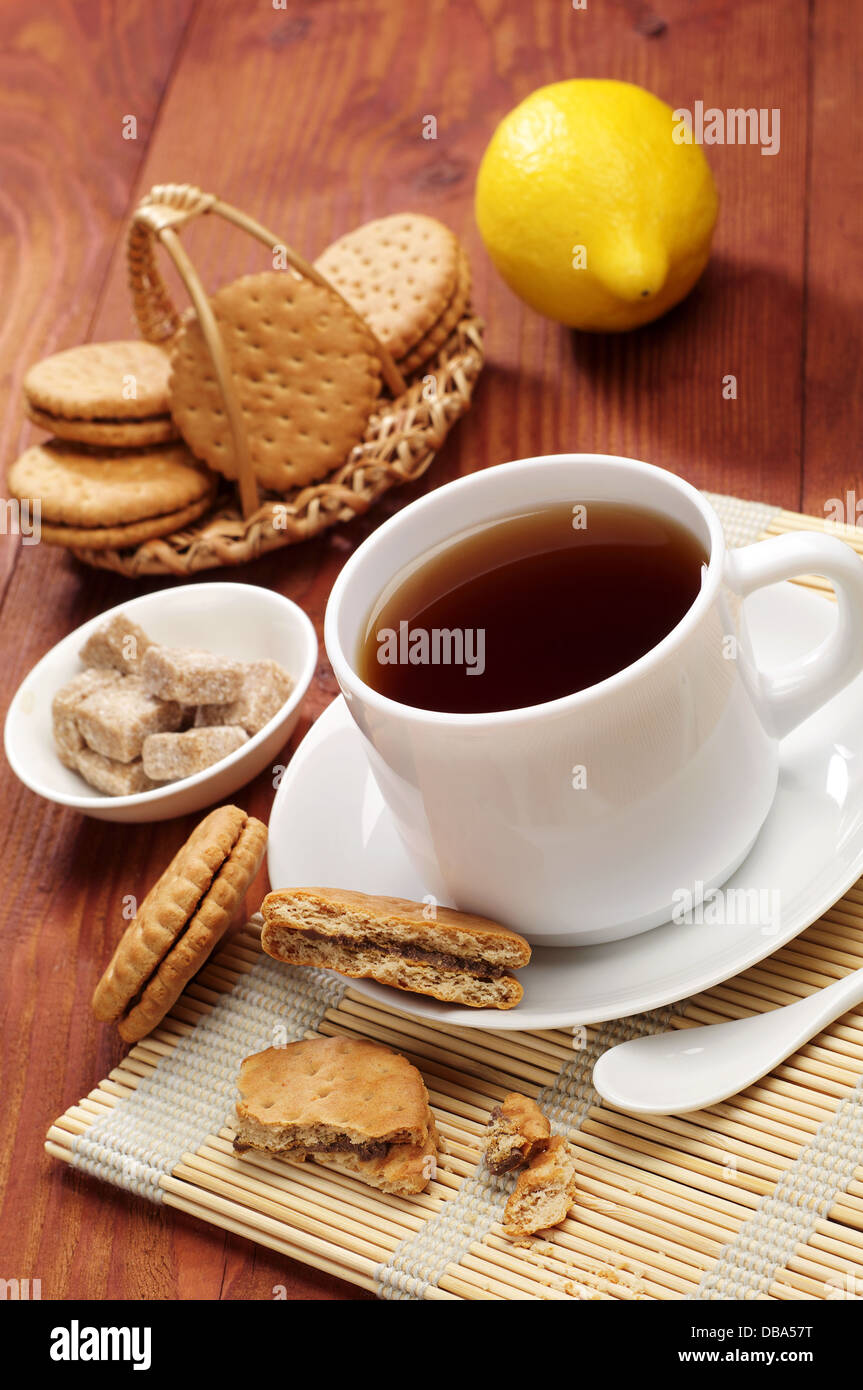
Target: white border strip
788 1216
192 1092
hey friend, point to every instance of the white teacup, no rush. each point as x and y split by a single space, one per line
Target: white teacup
678 750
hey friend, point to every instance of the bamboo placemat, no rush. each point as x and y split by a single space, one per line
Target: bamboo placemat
759 1197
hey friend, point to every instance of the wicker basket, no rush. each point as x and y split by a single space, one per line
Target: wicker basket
400 442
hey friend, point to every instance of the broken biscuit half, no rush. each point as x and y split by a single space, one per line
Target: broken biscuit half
452 956
347 1103
404 1169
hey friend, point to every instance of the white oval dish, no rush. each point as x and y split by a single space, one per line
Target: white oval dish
237 620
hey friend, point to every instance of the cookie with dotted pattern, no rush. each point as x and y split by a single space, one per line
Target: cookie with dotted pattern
432 342
110 394
306 372
400 273
80 487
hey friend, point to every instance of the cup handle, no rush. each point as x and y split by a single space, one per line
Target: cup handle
795 692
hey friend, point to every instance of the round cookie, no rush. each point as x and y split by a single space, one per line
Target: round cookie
398 272
437 335
95 381
78 488
124 537
180 921
107 434
305 370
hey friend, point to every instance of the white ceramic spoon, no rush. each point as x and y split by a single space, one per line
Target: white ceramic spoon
691 1068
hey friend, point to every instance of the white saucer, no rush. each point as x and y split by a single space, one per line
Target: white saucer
329 826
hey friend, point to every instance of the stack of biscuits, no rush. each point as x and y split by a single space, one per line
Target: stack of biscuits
114 474
142 434
408 277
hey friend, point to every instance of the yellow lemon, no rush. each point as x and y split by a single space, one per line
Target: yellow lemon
595 205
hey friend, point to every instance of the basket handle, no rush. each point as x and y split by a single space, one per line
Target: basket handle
158 218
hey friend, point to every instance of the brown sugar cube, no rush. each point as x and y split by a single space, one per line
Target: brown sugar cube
64 710
192 677
266 687
517 1131
110 777
168 757
119 644
115 719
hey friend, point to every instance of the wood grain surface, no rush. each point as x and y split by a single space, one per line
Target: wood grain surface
310 118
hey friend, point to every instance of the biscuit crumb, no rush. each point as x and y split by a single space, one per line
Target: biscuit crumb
517 1131
545 1191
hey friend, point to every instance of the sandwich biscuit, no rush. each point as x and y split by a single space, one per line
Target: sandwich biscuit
517 1132
180 921
452 956
107 394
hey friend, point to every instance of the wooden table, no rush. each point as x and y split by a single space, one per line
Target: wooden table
311 118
